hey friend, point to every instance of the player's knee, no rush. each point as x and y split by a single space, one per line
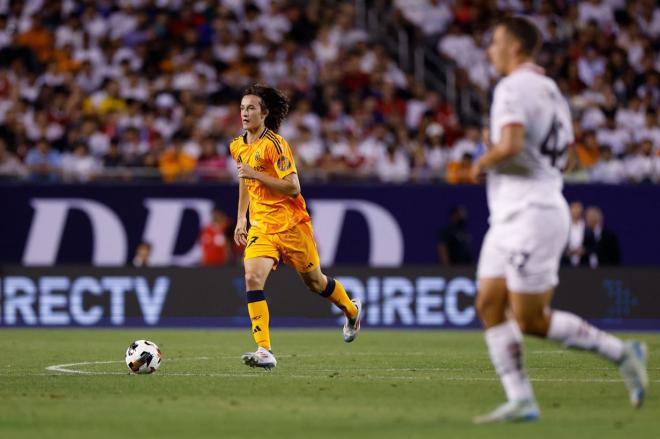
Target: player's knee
315 285
485 305
480 305
531 324
253 281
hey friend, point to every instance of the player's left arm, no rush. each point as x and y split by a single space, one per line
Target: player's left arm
512 142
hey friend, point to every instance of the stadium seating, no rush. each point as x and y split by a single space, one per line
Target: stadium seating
132 90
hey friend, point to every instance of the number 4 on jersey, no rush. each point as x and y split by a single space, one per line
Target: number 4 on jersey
550 146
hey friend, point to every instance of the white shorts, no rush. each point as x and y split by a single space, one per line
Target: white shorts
526 249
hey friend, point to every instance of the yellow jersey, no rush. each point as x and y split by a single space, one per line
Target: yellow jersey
270 211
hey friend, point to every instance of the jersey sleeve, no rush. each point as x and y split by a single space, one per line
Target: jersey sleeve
508 108
233 150
281 156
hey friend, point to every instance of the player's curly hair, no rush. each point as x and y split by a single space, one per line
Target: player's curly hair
273 102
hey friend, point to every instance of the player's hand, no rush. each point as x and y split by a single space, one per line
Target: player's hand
477 172
240 232
246 171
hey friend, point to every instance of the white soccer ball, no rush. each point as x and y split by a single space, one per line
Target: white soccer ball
143 356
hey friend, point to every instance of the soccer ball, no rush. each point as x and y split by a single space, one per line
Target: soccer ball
143 356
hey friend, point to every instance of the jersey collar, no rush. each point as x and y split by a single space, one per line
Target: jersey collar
261 136
530 66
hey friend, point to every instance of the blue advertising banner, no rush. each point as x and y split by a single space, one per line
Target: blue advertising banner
409 297
378 226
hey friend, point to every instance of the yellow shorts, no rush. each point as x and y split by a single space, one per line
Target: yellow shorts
295 247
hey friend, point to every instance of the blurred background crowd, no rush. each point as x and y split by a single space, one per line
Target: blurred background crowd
137 89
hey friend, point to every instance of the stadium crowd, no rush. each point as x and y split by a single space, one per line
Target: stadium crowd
94 90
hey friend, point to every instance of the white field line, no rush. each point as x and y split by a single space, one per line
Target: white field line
64 367
67 369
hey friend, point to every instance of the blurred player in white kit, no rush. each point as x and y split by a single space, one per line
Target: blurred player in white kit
530 130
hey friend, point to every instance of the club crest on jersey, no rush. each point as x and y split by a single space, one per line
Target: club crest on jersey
257 156
283 163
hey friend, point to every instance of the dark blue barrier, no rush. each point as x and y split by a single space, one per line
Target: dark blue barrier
409 297
374 225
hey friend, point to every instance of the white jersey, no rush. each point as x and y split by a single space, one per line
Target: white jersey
532 177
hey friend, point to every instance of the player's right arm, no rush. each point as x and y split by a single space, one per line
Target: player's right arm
512 142
507 117
240 232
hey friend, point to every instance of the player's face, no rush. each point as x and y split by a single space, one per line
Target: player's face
498 51
251 115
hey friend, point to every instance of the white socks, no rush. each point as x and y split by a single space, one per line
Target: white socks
572 331
505 348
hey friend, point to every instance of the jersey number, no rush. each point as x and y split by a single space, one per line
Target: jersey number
550 146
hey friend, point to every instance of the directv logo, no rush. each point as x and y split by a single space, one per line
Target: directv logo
61 300
422 301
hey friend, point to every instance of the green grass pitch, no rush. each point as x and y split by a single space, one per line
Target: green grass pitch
387 384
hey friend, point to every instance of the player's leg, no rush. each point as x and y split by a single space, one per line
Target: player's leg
256 273
504 341
535 317
532 276
502 335
261 257
334 291
299 250
331 289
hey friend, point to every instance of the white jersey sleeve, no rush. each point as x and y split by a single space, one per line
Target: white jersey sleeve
506 109
532 177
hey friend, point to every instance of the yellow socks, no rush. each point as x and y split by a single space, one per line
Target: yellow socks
336 294
258 310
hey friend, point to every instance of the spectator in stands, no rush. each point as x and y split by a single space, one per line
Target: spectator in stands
435 16
213 239
353 160
161 68
43 163
142 256
309 148
437 153
132 146
393 166
601 246
38 38
607 169
575 248
631 116
642 165
597 11
459 172
79 165
10 166
97 140
212 165
590 66
175 164
588 150
468 144
113 158
617 138
648 18
457 45
374 145
454 240
650 130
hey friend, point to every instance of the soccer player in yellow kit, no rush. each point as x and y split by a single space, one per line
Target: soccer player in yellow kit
280 227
